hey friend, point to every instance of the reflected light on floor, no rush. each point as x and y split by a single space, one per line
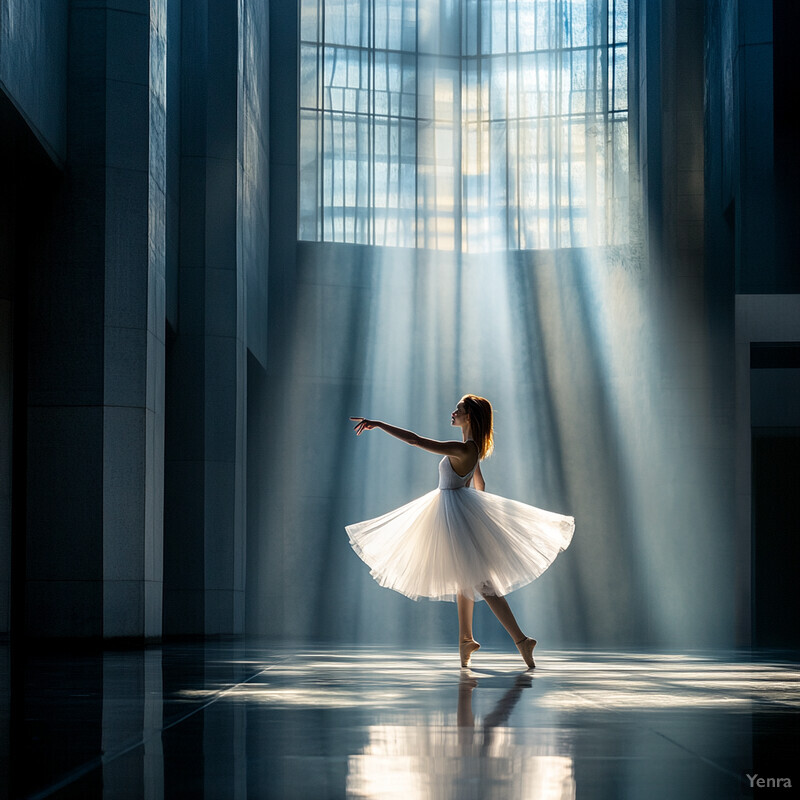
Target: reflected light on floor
366 722
428 763
610 680
643 699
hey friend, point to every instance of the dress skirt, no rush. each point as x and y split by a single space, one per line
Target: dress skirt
462 540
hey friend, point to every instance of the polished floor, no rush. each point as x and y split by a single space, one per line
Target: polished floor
229 720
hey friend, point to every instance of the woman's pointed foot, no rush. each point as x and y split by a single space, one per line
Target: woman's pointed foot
465 649
525 647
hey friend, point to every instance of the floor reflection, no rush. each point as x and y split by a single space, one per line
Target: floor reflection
477 758
232 720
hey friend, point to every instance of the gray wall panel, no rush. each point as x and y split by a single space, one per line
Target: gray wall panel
33 67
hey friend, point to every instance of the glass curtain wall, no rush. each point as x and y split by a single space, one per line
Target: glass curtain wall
464 125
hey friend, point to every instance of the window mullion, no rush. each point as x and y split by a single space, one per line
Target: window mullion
507 167
561 101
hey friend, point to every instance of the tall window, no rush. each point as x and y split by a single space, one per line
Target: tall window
467 125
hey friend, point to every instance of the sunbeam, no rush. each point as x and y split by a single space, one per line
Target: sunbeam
524 276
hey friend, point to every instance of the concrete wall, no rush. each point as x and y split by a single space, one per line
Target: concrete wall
253 252
694 310
160 216
752 243
221 286
6 388
753 163
34 32
9 256
32 132
96 346
270 400
748 23
254 175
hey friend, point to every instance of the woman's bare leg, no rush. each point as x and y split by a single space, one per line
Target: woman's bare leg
466 605
502 610
466 644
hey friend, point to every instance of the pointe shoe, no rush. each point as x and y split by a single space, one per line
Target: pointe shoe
466 649
525 647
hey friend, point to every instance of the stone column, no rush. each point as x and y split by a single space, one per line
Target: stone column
97 306
206 368
133 417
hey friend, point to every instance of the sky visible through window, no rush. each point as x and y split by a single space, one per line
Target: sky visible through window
466 125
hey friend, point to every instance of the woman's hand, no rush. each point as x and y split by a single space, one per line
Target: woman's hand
363 424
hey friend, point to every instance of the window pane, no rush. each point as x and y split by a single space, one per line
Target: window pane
469 124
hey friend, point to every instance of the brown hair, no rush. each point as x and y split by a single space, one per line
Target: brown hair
480 420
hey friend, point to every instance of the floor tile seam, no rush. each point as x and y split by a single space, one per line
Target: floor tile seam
102 760
217 696
735 775
704 759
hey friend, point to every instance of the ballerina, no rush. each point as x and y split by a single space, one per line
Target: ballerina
459 542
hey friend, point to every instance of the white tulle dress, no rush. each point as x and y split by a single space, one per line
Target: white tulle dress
458 539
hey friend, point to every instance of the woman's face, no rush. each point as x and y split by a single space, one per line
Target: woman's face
459 417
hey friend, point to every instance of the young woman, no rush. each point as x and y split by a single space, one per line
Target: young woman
456 543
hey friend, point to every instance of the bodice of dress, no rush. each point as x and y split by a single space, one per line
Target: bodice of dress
449 478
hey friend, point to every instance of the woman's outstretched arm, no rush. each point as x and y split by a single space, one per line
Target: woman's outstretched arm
454 449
